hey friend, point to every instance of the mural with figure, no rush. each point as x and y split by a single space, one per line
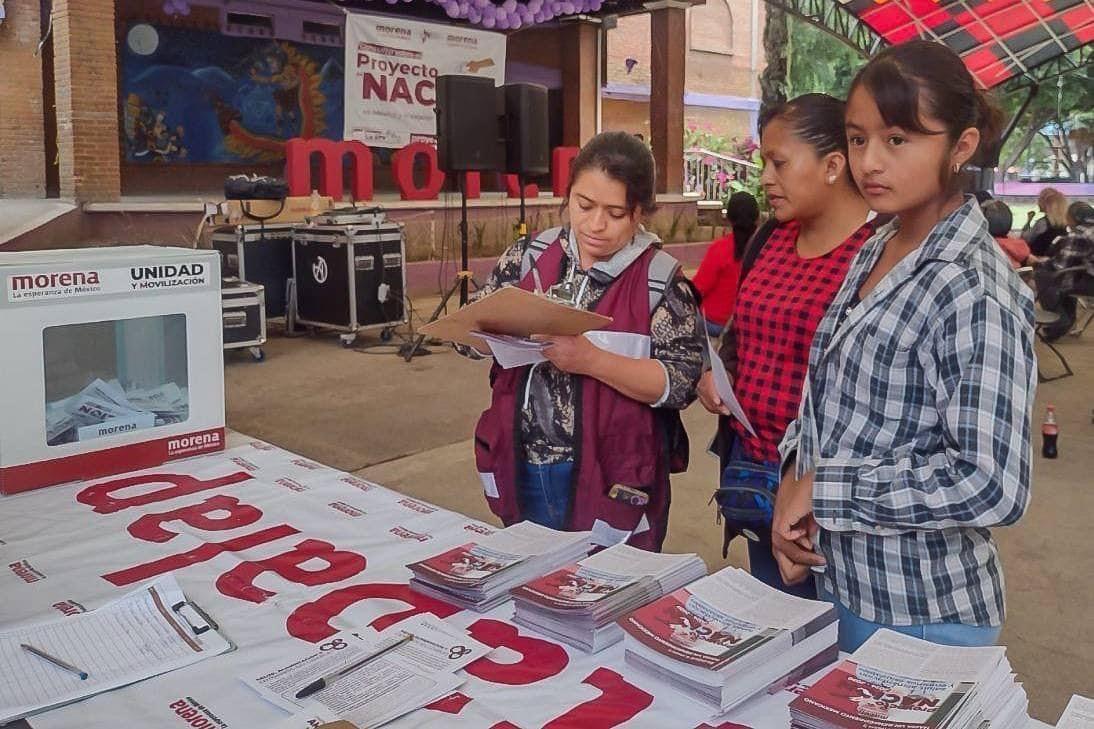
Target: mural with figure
193 96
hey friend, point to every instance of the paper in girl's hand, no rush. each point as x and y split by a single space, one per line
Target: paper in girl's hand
724 388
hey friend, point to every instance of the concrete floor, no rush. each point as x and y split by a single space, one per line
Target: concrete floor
408 426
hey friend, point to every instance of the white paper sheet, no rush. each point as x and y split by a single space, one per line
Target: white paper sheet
133 638
724 388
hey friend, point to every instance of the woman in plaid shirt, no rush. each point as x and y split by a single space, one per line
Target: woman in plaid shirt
914 433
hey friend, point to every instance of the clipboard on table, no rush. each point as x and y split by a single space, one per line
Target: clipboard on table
147 632
514 312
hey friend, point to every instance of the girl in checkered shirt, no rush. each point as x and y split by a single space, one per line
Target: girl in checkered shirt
913 438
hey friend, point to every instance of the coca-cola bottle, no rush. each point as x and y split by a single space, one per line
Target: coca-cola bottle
1050 431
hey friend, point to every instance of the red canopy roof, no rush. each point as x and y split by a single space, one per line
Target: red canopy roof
998 39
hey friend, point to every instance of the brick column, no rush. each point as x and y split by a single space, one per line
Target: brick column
580 80
668 66
85 67
22 126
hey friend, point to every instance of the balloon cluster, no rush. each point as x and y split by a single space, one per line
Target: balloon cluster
176 7
511 14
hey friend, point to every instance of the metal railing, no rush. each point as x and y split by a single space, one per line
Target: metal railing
708 173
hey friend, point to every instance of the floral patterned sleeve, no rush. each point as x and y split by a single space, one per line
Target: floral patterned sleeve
677 341
506 273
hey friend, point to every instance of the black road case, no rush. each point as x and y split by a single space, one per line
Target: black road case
258 254
349 271
243 308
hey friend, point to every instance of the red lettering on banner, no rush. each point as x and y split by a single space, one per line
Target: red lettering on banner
512 187
298 154
561 159
150 526
540 659
101 497
402 165
238 582
197 555
618 702
472 185
311 621
451 704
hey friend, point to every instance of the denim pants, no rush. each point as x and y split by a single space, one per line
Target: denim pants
544 493
853 630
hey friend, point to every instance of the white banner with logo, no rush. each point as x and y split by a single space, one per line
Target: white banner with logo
278 549
391 74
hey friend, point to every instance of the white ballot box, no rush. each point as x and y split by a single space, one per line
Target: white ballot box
110 361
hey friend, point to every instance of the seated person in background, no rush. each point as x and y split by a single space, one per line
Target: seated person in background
1057 291
718 274
1000 219
1049 226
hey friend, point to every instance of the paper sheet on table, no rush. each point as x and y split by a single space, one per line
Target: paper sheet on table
407 678
133 638
724 388
512 352
1079 714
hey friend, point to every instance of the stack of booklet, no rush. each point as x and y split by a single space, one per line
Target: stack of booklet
728 637
579 603
479 575
895 681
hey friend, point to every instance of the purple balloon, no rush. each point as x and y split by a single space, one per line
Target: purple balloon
488 21
489 11
474 15
514 21
509 6
452 9
502 21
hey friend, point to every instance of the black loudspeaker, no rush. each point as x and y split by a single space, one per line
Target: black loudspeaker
467 124
527 149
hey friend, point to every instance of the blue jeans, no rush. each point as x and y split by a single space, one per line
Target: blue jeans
544 493
853 630
714 329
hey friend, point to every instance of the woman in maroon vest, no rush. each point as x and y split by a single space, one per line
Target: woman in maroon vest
587 439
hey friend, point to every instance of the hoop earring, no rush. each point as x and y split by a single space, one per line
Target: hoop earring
956 168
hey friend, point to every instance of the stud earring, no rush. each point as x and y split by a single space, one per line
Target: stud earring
831 179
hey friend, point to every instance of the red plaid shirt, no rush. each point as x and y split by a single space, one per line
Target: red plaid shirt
778 308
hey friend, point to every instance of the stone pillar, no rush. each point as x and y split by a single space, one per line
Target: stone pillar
22 125
85 69
668 66
580 80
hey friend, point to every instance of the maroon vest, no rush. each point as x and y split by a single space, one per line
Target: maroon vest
617 440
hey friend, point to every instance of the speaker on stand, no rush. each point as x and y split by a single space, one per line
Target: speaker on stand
527 151
468 140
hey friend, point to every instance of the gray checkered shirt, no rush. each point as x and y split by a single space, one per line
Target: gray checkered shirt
916 422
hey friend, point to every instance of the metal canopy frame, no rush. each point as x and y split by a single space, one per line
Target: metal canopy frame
1014 42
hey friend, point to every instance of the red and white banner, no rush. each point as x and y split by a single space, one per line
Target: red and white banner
279 549
392 67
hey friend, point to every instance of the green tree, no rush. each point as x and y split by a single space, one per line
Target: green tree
773 78
818 62
1059 118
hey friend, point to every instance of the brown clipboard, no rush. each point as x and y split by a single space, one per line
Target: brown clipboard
515 312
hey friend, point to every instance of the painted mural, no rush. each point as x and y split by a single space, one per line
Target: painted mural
192 96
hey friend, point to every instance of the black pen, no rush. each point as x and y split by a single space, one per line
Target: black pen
54 660
321 683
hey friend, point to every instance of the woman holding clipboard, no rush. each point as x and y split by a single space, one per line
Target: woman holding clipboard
586 440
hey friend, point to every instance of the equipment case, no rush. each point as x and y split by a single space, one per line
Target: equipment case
259 254
244 316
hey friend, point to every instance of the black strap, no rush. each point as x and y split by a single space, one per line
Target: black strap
755 245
